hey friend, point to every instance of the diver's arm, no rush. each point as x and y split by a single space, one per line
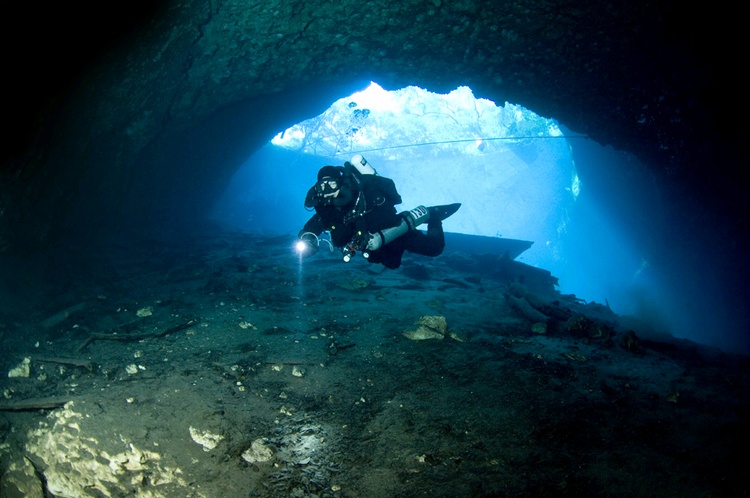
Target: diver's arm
314 225
311 199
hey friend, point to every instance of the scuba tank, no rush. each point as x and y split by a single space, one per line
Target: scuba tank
359 162
410 220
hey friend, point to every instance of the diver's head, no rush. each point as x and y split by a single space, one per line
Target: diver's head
329 183
330 172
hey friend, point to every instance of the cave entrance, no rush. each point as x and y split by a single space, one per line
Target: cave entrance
511 168
515 172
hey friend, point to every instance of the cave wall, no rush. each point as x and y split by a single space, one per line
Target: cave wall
117 132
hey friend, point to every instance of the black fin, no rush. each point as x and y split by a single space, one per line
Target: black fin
442 212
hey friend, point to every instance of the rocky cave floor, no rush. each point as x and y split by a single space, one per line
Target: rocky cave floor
220 364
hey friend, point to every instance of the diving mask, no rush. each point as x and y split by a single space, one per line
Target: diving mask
327 188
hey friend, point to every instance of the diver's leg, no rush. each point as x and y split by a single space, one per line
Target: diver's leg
390 254
431 243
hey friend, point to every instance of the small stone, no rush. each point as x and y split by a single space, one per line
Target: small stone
539 328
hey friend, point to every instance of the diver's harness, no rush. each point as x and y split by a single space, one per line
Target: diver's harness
360 210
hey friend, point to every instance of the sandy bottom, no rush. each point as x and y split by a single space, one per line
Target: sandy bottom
223 366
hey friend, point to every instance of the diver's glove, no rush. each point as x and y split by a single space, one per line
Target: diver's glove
307 244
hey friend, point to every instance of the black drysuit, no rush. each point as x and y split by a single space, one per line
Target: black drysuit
368 205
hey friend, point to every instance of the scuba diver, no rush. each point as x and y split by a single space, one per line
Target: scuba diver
356 206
